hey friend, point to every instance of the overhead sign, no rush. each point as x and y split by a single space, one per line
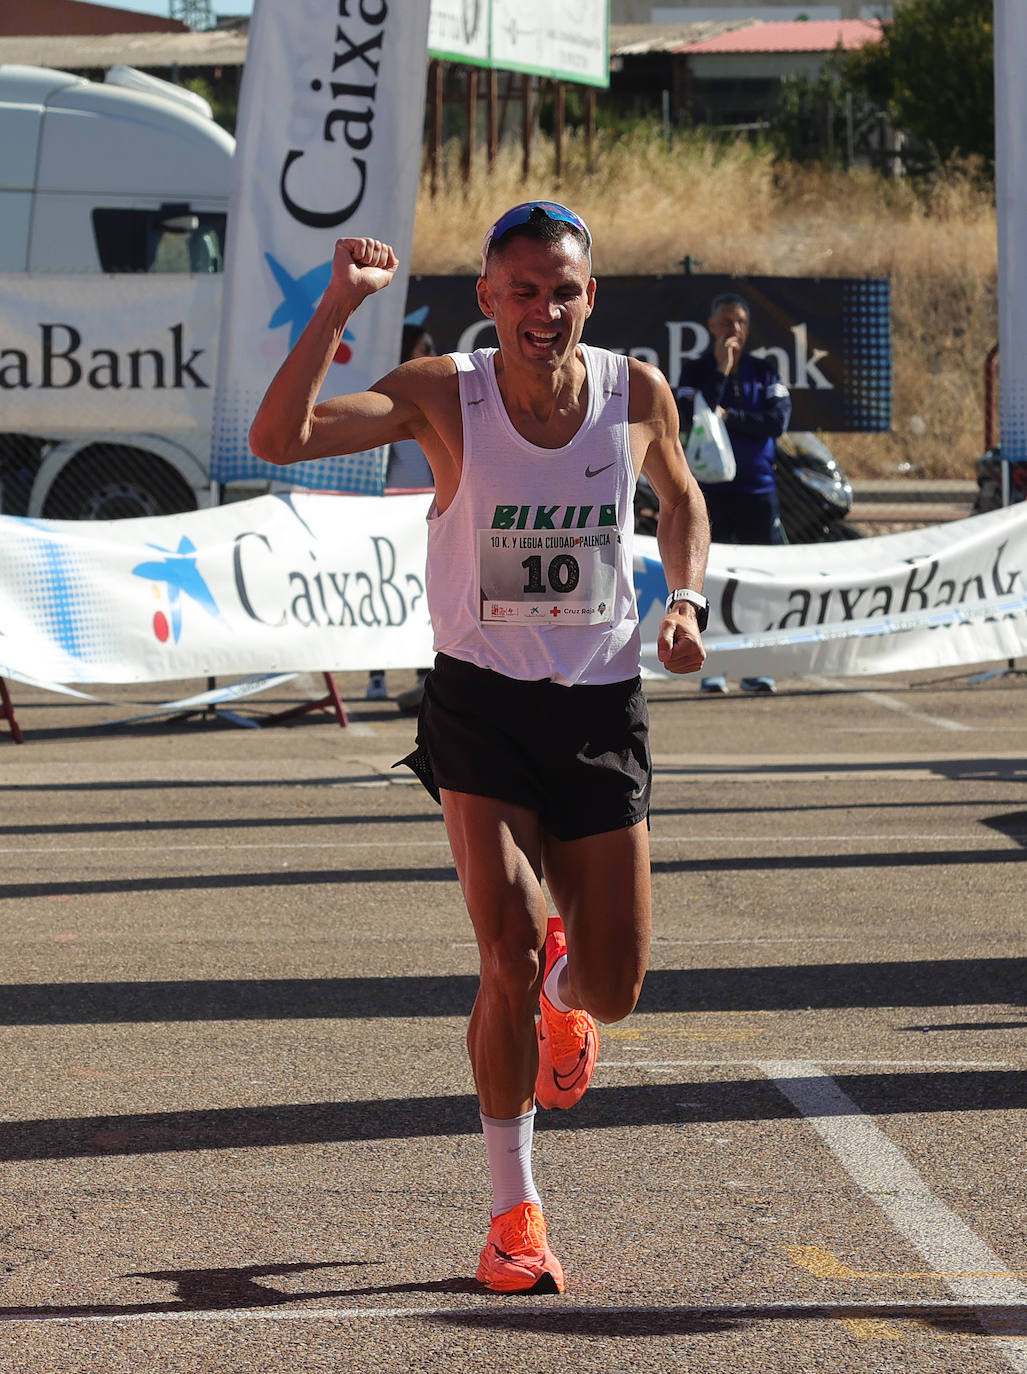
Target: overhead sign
461 30
830 336
567 40
329 146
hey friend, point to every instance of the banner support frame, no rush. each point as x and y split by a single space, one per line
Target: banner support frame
7 713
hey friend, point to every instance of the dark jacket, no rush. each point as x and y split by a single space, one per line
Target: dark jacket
757 410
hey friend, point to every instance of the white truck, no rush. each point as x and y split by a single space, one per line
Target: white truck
113 202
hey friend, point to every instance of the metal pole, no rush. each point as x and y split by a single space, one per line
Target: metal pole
472 120
850 136
492 119
558 127
435 137
590 127
527 122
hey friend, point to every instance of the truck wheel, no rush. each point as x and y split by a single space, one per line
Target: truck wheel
116 483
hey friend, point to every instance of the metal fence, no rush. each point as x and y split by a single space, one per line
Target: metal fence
88 481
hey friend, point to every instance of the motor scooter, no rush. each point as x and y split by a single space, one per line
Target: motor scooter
814 494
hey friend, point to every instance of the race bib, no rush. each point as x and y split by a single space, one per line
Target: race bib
547 577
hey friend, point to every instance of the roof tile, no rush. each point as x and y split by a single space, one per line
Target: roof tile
813 35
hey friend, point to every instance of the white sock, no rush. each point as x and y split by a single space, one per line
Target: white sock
551 987
508 1145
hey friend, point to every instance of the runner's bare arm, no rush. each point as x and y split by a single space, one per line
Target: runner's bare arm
290 426
683 529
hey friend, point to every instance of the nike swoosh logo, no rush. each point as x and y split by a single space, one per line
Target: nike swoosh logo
594 472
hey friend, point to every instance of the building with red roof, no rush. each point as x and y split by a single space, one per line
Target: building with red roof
734 77
61 17
799 36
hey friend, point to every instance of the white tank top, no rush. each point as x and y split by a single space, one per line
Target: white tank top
530 566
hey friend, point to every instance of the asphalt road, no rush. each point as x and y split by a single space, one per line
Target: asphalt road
238 1129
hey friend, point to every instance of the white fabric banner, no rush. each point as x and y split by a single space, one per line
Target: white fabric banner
329 146
882 605
118 354
281 583
303 582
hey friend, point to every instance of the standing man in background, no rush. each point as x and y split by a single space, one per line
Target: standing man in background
755 406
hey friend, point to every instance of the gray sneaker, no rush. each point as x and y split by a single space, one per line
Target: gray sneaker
765 685
376 688
713 686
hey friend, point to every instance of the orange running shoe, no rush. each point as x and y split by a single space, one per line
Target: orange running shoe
568 1042
517 1257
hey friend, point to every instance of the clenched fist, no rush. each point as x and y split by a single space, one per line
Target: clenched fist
363 266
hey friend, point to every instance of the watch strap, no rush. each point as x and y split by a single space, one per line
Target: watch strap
701 604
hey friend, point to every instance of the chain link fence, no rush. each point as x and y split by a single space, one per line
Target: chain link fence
88 481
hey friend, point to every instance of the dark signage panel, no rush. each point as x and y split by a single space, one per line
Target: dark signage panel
831 335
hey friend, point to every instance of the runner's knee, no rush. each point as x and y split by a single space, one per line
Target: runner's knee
511 960
609 1004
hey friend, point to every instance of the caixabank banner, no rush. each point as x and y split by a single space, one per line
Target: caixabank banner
304 582
329 147
128 354
830 336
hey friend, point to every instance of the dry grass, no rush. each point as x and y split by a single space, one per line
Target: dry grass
734 210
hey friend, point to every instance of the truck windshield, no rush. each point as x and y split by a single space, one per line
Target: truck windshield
171 239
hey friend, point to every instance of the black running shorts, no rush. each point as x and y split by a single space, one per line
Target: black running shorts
578 756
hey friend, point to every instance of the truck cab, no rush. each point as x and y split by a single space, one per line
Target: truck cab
125 179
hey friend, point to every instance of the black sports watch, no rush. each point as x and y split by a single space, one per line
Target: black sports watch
702 606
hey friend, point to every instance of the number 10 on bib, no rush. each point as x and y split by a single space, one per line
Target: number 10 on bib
547 577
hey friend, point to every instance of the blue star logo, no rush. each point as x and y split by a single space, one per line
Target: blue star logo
300 296
179 571
649 586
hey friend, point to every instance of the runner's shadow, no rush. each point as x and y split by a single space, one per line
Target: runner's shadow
198 1290
213 1289
984 1320
456 1284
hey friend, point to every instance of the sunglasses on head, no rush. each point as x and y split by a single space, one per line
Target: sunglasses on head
521 214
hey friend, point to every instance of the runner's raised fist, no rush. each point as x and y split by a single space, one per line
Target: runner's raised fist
364 265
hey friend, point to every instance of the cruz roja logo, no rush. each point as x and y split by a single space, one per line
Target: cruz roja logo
300 296
178 571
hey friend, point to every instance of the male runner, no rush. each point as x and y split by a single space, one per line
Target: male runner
533 731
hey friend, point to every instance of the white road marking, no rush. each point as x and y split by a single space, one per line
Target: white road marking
835 1063
965 839
343 1314
883 1174
850 837
905 729
146 841
891 703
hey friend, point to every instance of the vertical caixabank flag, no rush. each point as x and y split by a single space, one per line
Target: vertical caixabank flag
1011 203
329 146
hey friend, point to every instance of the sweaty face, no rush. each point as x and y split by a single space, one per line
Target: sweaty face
540 295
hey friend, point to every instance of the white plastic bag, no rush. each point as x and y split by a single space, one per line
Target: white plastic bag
708 449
